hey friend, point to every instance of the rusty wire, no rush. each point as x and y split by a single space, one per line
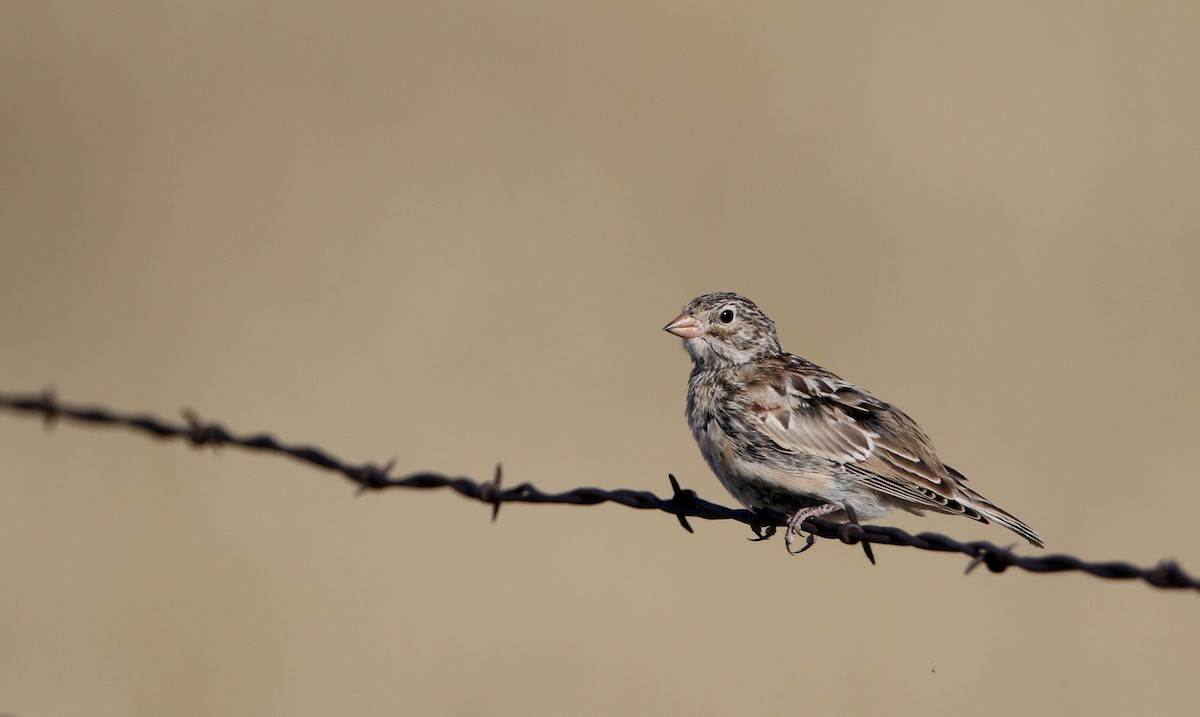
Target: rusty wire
682 503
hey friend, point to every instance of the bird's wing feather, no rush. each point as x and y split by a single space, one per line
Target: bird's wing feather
805 409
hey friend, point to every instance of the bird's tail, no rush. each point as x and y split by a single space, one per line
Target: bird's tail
985 511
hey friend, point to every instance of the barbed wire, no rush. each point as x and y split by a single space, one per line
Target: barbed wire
683 503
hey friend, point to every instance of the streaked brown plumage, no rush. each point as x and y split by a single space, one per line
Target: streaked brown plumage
782 433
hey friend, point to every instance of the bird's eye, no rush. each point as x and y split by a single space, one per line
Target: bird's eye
726 316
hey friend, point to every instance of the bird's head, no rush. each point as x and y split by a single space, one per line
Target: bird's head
724 329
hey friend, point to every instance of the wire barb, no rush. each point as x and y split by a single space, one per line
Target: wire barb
683 503
682 498
493 493
851 532
201 434
48 407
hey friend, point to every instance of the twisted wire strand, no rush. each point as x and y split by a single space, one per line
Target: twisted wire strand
682 503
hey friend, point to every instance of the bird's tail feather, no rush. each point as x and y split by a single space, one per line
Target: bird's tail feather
987 511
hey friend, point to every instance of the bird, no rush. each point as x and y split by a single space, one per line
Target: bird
783 434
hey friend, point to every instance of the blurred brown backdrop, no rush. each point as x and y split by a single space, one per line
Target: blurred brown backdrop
451 233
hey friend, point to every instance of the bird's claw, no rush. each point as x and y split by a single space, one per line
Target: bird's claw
790 538
794 526
761 533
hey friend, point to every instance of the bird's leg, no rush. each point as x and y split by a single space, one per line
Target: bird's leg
793 525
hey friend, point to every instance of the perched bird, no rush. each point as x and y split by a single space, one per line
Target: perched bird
784 434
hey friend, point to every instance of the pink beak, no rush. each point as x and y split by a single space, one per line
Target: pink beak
684 326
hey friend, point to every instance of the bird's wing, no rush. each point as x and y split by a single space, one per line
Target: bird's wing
805 409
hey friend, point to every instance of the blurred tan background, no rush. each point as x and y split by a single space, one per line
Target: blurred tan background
451 234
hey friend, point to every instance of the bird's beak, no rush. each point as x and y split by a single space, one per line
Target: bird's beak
684 326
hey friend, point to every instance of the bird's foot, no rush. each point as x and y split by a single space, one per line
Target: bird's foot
762 532
793 525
